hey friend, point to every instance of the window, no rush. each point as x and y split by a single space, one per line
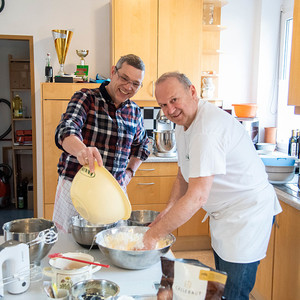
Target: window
286 119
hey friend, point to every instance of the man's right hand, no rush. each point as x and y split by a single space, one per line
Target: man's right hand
88 155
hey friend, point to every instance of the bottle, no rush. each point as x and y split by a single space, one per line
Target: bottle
298 144
20 197
48 69
17 107
292 151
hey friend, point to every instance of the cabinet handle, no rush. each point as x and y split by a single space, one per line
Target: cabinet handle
146 169
152 88
149 183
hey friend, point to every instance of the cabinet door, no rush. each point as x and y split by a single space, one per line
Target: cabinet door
294 87
286 279
135 31
179 38
52 111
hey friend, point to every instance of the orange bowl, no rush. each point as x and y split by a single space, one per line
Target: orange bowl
247 110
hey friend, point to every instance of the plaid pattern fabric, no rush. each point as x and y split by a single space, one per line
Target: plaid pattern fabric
118 133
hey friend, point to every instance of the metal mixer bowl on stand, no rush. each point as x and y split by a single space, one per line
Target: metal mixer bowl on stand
164 137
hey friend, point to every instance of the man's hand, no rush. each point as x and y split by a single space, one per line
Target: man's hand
88 155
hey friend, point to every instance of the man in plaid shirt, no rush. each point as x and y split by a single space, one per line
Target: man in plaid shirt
101 124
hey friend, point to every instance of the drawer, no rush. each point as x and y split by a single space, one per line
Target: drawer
157 169
150 190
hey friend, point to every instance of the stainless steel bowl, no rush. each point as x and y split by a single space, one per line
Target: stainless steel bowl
84 232
94 289
142 217
165 140
40 235
133 260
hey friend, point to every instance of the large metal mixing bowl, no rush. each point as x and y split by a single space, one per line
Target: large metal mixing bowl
84 232
165 140
40 235
134 260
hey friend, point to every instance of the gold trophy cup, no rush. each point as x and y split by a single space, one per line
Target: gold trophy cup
82 54
62 39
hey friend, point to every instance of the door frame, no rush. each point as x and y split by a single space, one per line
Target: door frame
29 38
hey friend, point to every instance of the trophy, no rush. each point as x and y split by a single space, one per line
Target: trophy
62 39
82 70
82 54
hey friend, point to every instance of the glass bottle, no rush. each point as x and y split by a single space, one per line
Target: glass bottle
48 69
298 144
17 107
292 150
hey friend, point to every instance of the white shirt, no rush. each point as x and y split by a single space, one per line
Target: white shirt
242 202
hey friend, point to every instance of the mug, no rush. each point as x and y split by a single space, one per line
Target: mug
65 273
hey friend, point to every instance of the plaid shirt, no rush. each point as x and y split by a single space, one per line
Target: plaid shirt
118 133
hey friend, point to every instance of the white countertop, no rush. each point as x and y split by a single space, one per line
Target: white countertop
154 158
131 282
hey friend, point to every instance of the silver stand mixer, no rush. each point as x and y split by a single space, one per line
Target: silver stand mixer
164 137
14 259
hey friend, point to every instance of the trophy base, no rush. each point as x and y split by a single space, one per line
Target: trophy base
63 79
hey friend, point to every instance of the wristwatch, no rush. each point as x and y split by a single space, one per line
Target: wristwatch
132 172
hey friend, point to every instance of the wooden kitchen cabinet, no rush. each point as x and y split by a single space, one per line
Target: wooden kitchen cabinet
286 276
166 34
278 274
55 98
151 188
294 87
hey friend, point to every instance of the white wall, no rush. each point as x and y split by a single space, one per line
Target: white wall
90 20
246 69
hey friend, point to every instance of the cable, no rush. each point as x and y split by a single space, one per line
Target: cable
2 5
9 128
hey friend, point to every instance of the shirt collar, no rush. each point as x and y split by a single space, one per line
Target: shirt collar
106 95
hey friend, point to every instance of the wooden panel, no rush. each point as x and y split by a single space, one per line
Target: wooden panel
150 190
294 86
179 45
135 31
63 91
286 282
157 169
48 211
194 226
52 110
264 277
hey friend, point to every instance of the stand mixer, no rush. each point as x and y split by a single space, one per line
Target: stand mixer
15 256
164 136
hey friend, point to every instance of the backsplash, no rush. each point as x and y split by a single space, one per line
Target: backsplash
149 115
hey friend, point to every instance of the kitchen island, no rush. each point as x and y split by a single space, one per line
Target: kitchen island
131 282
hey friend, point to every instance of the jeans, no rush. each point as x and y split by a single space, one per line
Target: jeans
240 280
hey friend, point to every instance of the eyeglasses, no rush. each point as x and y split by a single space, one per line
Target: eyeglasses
124 80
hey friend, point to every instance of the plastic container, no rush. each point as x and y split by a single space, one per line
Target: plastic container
247 110
278 161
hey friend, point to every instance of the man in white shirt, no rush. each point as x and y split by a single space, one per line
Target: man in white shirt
219 171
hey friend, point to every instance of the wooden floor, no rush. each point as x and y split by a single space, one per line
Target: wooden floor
205 256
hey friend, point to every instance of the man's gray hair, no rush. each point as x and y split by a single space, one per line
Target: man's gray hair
182 78
132 60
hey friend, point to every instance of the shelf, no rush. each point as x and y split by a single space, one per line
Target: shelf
19 60
213 27
22 147
20 89
22 119
216 3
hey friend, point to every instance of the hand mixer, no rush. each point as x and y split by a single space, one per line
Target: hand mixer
15 255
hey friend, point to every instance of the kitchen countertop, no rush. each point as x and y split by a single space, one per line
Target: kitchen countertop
131 282
289 192
154 158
